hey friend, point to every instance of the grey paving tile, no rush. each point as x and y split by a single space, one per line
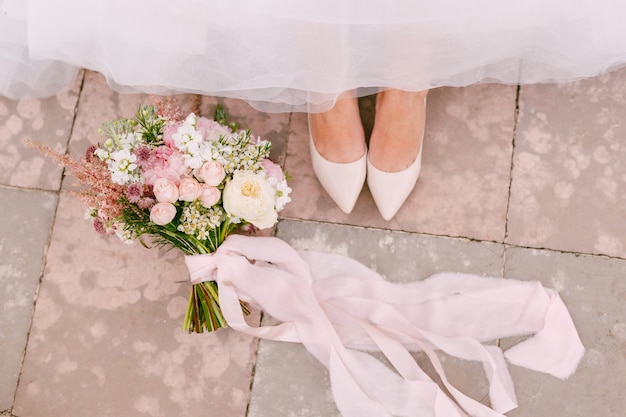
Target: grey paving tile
569 178
48 122
594 290
107 336
464 182
289 381
25 226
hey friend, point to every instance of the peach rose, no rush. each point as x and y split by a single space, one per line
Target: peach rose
189 189
162 213
165 191
210 196
211 173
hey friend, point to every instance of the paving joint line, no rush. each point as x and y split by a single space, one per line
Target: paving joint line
505 245
21 188
45 250
511 169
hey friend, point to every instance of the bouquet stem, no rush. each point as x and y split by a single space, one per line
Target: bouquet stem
203 309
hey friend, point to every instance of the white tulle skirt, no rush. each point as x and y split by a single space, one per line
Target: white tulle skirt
292 55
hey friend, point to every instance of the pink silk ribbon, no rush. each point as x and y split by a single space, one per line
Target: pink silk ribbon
338 308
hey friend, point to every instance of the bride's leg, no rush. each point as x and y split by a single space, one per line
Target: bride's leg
398 129
338 151
394 158
338 133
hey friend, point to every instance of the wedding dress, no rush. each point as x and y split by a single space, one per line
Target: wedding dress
290 55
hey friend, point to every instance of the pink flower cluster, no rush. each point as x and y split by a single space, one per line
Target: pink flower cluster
168 191
163 162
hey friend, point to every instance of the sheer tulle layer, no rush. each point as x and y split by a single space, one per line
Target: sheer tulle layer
21 76
290 55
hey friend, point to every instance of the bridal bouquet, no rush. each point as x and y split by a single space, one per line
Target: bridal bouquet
185 183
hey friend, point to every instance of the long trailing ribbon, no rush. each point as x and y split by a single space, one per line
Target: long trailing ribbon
338 308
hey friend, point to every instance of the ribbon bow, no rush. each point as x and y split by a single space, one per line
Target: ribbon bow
338 308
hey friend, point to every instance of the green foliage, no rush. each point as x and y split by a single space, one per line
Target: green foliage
151 125
222 117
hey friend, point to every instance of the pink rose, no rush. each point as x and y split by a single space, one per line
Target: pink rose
168 132
211 130
212 173
162 213
189 189
210 196
165 191
272 170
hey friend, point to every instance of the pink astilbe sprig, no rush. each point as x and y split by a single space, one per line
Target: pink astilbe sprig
100 192
168 108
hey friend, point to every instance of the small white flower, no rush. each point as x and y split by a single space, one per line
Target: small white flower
193 161
130 141
125 236
187 138
282 195
90 213
191 120
103 154
109 144
207 151
123 165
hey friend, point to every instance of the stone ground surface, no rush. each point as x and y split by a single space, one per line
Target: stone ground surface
526 183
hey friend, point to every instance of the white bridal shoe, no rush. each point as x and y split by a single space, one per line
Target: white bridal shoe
342 181
391 189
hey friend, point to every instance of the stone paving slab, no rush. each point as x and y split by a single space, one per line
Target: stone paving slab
464 182
569 177
290 382
27 218
594 290
107 336
48 122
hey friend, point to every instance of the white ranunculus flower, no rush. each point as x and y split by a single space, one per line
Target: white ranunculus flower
251 197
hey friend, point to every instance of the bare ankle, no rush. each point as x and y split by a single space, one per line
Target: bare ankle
338 133
398 129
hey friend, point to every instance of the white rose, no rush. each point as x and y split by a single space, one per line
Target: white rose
189 189
250 197
165 191
162 213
